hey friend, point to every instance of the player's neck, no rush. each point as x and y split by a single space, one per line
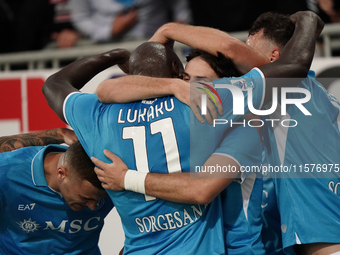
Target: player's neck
50 168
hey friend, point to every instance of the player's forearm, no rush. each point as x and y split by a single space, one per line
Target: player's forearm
176 187
180 188
74 76
78 73
134 87
13 142
213 41
200 187
244 57
300 49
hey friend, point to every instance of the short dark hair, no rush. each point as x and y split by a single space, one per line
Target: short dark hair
77 160
155 60
223 66
276 27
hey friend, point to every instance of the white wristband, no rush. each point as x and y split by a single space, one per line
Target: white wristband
134 181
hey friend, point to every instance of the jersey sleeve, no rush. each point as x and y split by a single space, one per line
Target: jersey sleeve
79 111
243 145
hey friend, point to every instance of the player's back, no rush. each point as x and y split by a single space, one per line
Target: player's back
153 135
144 135
308 150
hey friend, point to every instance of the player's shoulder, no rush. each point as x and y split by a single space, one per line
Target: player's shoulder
81 100
254 73
16 165
78 94
21 153
244 82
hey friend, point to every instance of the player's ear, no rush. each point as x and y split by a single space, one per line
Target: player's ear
275 54
125 67
177 69
62 172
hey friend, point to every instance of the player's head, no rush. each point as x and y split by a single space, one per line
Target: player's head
155 60
77 181
270 33
202 64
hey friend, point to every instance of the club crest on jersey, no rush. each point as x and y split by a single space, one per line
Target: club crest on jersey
28 225
100 204
242 84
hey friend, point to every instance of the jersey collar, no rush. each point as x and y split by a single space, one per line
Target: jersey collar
37 166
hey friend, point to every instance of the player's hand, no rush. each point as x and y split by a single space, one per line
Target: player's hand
181 90
111 175
121 57
160 37
125 67
68 135
197 89
121 251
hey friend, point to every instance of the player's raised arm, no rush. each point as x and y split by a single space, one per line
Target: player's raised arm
213 41
298 53
128 89
136 87
51 136
74 76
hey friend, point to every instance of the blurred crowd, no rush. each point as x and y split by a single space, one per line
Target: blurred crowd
27 25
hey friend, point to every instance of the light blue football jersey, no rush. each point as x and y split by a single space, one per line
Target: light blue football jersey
307 197
241 200
204 138
36 219
156 136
